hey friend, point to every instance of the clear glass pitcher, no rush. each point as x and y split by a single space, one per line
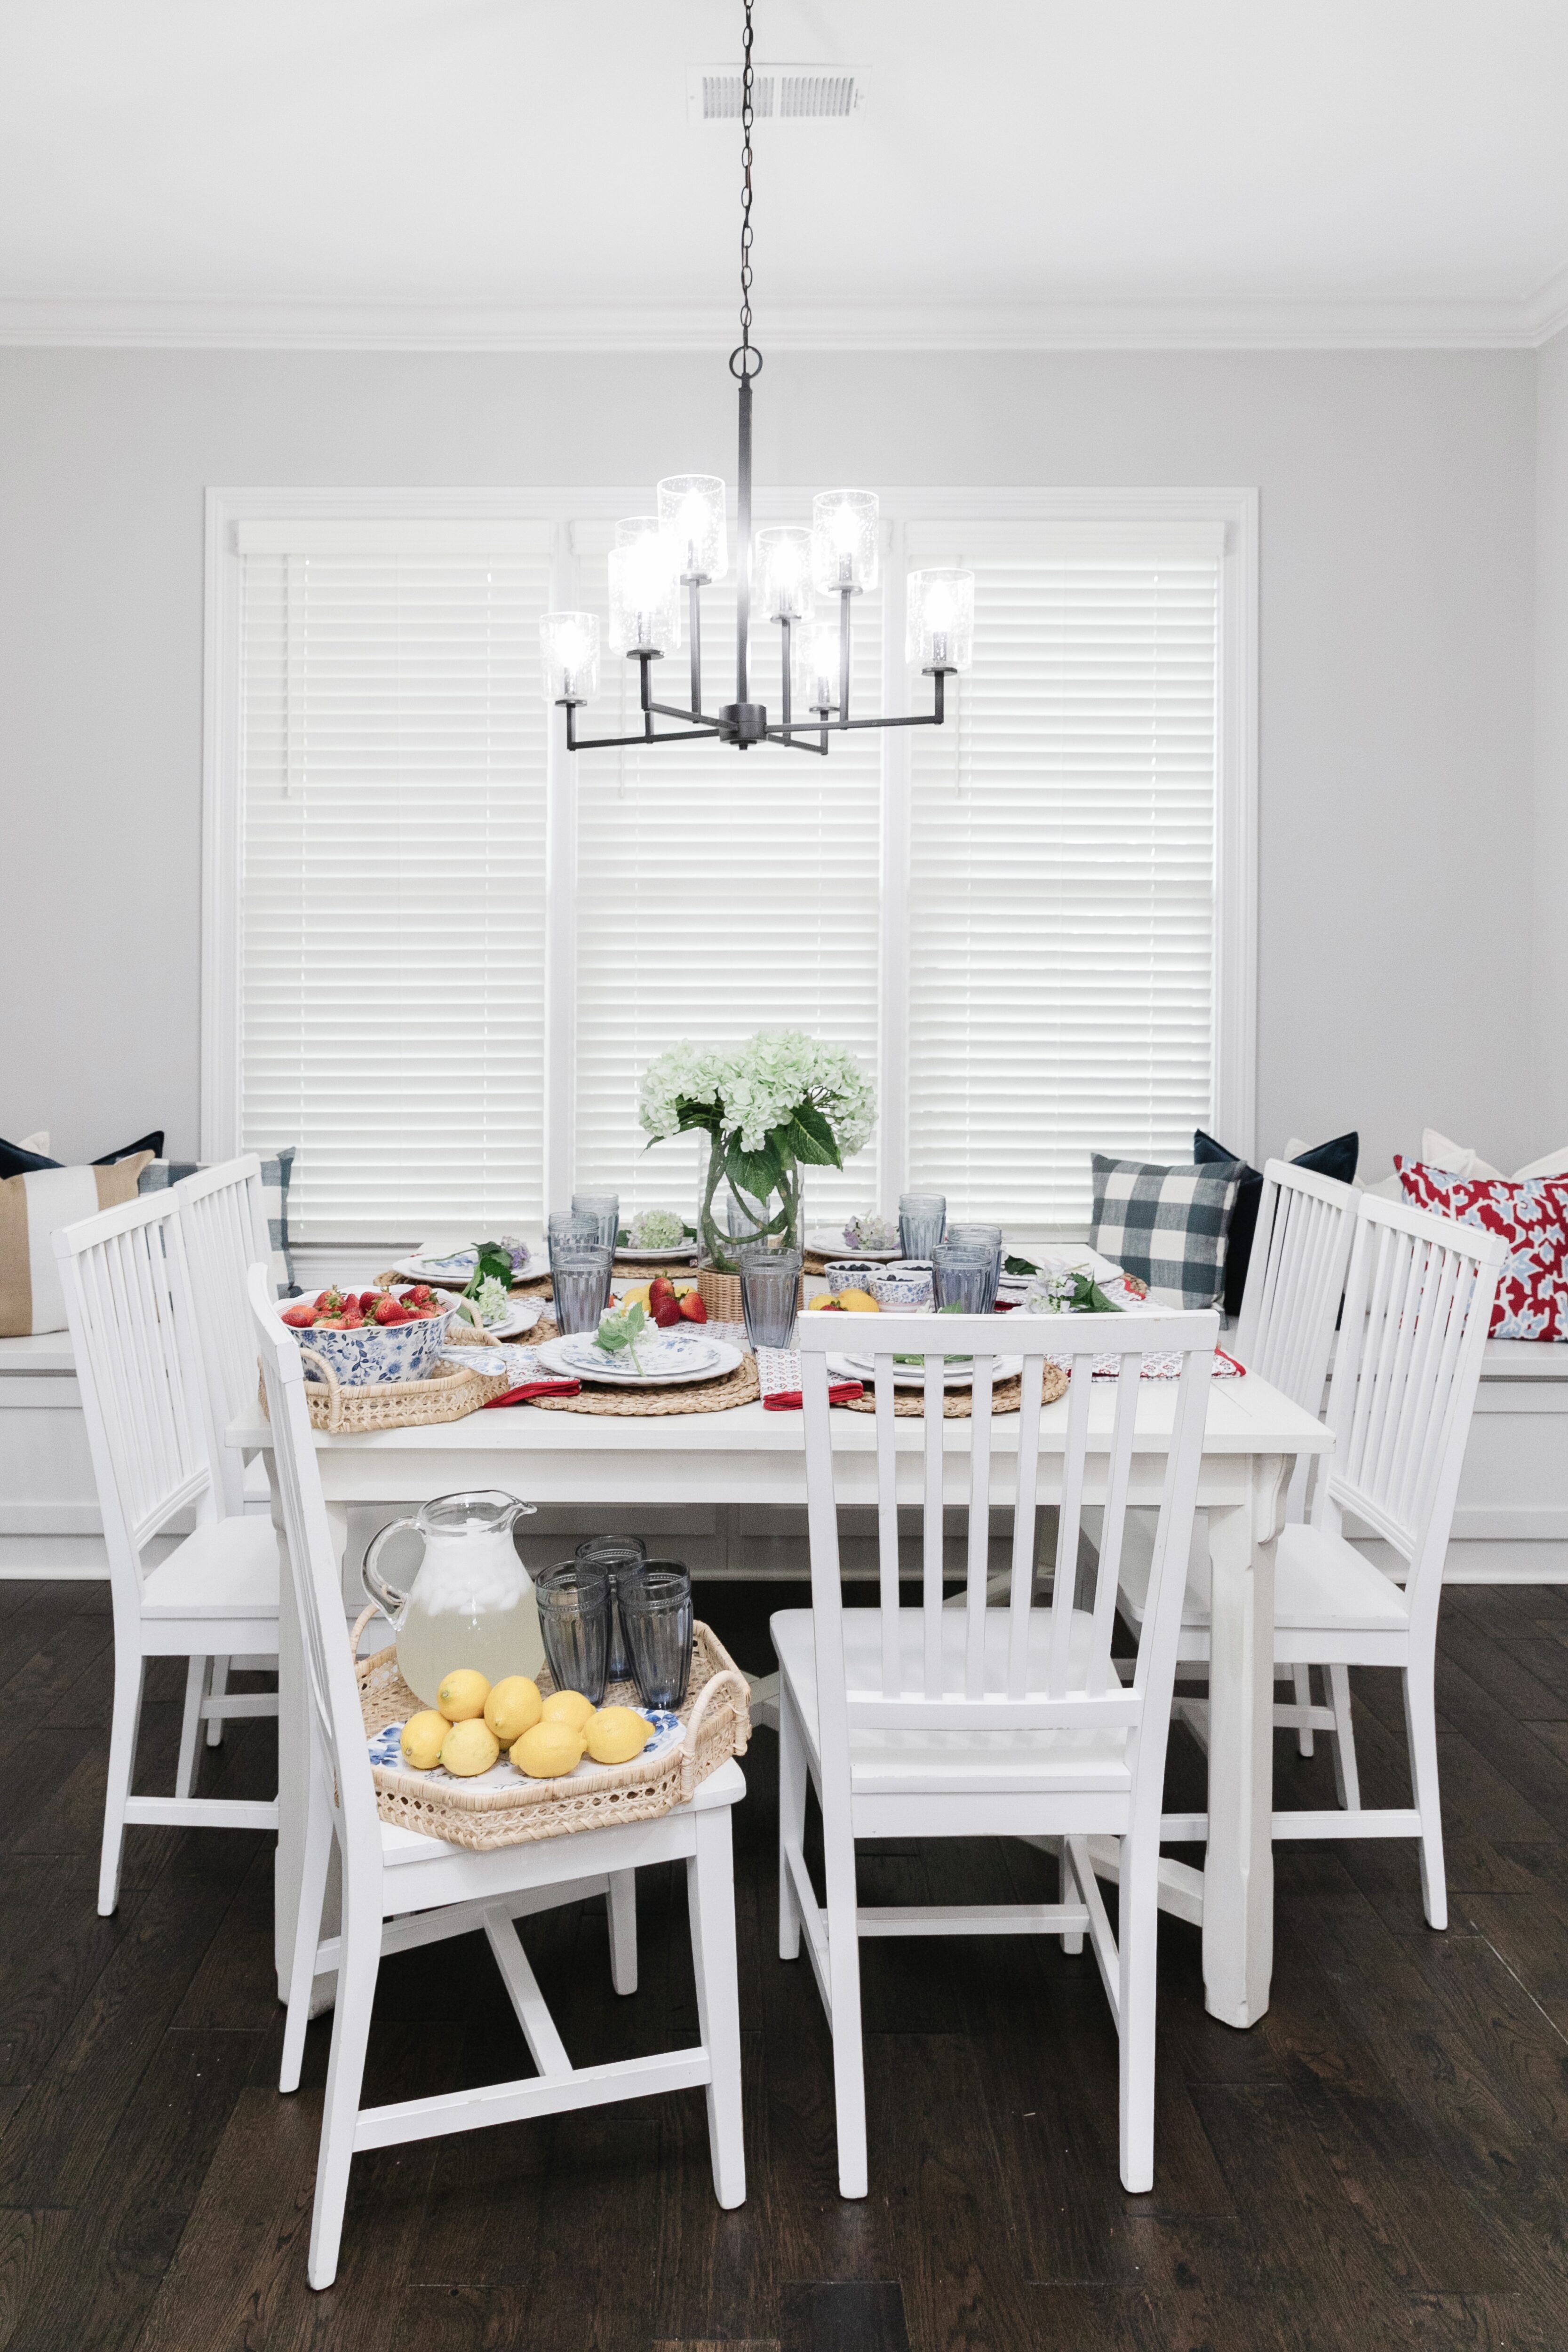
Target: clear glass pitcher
472 1602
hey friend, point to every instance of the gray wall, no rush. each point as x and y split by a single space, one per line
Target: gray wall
1550 1075
1398 602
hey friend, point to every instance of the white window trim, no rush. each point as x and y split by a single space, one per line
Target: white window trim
425 511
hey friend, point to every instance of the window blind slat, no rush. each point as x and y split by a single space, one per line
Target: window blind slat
1061 885
392 957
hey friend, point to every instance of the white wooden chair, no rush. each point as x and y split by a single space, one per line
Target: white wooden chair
149 1427
1417 1310
1285 1333
932 1722
223 1220
402 1889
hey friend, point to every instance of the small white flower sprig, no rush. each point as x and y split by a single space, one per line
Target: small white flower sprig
768 1105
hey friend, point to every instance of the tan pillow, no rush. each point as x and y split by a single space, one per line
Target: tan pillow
33 1207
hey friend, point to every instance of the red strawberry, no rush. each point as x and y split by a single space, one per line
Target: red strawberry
420 1296
302 1317
367 1300
322 1296
388 1310
666 1311
692 1309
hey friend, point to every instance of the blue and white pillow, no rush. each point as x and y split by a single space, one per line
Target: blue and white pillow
1170 1227
276 1166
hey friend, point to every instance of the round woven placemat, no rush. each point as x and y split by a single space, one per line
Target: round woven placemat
958 1404
740 1387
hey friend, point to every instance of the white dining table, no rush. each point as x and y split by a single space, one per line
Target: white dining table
1253 1439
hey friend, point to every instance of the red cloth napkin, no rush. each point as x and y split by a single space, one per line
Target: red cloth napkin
533 1388
790 1400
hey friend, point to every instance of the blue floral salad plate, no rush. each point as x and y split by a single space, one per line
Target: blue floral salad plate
663 1358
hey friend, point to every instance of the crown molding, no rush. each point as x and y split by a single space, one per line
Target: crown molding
73 322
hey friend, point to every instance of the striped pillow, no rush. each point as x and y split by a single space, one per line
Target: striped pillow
33 1208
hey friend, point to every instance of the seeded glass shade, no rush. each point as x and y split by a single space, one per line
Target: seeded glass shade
691 509
938 627
645 594
844 551
822 666
784 589
569 645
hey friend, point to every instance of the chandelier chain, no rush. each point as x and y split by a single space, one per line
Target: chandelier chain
749 359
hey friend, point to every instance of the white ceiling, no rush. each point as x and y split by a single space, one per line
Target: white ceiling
520 173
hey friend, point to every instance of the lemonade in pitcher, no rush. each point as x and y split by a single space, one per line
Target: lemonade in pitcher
472 1602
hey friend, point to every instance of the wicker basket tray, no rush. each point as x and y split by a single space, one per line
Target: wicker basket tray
718 1719
451 1392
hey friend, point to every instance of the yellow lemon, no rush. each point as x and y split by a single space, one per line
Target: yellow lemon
636 1297
551 1749
462 1695
421 1739
858 1302
469 1747
567 1707
513 1708
823 1298
617 1734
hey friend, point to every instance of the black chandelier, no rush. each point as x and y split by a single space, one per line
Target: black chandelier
684 547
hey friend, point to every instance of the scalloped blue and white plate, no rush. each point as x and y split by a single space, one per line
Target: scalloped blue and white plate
666 1356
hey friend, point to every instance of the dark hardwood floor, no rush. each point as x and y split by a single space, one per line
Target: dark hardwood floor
1382 2162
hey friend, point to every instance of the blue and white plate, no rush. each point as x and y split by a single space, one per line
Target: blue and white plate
385 1751
960 1374
455 1268
665 1357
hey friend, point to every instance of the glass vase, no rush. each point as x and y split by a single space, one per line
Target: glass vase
780 1224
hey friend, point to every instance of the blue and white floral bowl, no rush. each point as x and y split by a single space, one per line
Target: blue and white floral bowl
379 1352
905 1283
851 1274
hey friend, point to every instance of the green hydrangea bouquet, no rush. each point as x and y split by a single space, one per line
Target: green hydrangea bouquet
780 1101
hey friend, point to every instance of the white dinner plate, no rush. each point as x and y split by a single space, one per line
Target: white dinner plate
456 1270
520 1316
686 1253
668 1732
670 1356
828 1241
913 1376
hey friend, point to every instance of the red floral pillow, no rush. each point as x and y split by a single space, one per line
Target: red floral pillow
1532 1218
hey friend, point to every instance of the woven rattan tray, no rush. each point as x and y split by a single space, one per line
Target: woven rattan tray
449 1394
958 1404
718 1719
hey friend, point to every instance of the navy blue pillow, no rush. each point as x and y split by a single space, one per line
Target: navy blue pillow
1337 1159
14 1161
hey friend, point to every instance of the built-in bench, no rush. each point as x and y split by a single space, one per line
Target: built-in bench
1511 1527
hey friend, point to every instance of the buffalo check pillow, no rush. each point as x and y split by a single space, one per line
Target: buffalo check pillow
1532 1300
1167 1225
276 1166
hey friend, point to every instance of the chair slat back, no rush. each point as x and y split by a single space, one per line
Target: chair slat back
318 1593
1033 1663
138 1367
1418 1304
1295 1280
224 1224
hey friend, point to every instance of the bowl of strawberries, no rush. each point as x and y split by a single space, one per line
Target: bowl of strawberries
372 1337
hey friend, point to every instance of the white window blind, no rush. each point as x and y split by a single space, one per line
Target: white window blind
392 827
1062 877
718 893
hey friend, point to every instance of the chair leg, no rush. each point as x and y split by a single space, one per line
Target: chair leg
360 1958
130 1668
792 1820
1067 1892
844 1989
219 1685
191 1726
622 1906
711 1898
1347 1778
314 1862
1306 1739
1138 1928
1421 1727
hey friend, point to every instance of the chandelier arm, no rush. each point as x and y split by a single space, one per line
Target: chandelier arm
694 622
575 743
844 596
668 710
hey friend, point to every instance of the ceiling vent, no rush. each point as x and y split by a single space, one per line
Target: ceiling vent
782 93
